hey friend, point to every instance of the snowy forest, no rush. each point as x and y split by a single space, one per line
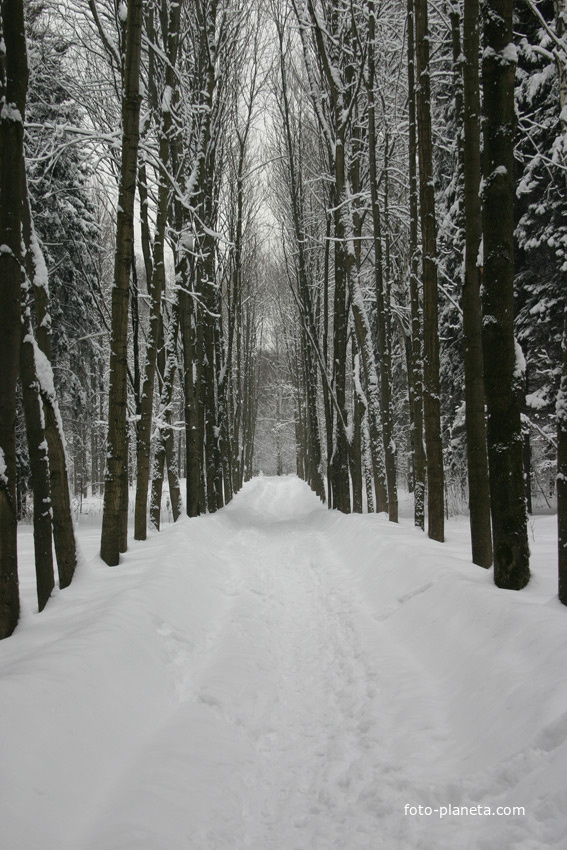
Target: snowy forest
283 421
316 237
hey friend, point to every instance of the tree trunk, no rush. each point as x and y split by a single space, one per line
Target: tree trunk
340 462
208 390
431 388
561 408
164 453
309 330
156 285
115 513
63 531
364 341
356 449
367 465
191 384
135 321
39 458
382 299
416 375
13 86
503 372
327 403
477 457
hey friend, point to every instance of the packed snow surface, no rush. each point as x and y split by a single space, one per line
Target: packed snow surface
282 677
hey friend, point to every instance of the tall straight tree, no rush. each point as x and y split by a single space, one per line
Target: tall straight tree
382 295
326 33
477 458
314 475
156 285
13 86
431 389
561 60
416 379
62 518
503 362
115 514
38 456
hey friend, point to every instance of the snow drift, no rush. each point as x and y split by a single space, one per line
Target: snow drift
281 676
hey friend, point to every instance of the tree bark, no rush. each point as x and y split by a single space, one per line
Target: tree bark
164 453
382 299
335 127
561 407
156 285
62 519
416 376
503 372
339 461
431 388
309 330
13 87
475 423
39 458
359 410
191 385
115 512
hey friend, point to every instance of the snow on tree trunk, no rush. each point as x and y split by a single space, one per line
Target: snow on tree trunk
382 297
156 284
115 512
503 374
416 379
431 388
13 85
561 406
304 297
164 450
38 455
62 517
477 458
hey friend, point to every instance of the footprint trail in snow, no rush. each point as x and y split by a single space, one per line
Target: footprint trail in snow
281 677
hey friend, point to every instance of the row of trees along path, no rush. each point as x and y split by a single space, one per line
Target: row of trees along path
281 182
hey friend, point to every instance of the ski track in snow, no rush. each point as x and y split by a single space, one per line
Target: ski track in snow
298 720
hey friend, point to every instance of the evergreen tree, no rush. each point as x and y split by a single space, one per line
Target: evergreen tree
541 235
60 185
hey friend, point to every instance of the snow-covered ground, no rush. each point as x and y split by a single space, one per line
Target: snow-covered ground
282 677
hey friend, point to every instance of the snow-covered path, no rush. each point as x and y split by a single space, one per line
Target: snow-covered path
278 677
285 696
289 695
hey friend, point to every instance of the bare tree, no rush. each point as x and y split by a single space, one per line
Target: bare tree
156 284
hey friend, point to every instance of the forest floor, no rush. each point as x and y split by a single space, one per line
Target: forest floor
282 677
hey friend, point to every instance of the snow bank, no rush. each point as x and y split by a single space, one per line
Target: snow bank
87 682
495 662
281 676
